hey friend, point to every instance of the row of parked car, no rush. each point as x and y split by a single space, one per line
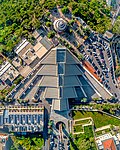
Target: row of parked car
94 50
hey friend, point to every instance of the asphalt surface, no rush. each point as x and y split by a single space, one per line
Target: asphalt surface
98 53
115 16
45 130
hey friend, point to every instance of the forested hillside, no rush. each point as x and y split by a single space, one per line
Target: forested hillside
20 17
94 12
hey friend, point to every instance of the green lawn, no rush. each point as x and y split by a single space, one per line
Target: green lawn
83 121
100 119
78 128
102 132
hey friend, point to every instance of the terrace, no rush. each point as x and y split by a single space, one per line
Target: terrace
7 75
100 119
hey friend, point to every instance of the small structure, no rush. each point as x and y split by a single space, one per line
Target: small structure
26 52
3 140
28 56
108 36
113 3
60 25
1 116
7 75
107 142
38 34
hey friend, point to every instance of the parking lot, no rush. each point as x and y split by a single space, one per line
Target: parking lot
98 53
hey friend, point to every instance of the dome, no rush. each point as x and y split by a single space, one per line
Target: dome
60 25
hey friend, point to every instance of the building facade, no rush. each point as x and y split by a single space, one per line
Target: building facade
58 77
23 118
108 142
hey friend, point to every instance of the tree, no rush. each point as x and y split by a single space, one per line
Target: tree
76 12
17 81
28 143
20 19
51 34
2 97
95 99
81 57
48 23
116 27
65 10
112 97
70 31
71 22
1 61
94 12
87 31
48 14
117 72
37 24
84 100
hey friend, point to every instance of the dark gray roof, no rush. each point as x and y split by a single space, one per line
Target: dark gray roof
46 43
1 120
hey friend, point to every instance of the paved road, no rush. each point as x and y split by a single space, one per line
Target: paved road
103 128
45 130
115 16
97 50
115 46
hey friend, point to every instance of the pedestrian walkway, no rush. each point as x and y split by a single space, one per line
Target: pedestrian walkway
91 123
103 128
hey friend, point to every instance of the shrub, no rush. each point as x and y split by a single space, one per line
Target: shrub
48 23
65 10
51 34
17 80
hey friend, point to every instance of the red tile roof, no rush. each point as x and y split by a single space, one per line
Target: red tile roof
109 144
91 70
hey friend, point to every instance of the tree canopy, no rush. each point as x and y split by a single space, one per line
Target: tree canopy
85 141
20 18
27 143
117 72
94 12
116 27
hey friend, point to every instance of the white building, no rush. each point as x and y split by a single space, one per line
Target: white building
60 25
7 75
108 142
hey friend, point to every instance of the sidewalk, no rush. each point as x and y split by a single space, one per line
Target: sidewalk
102 128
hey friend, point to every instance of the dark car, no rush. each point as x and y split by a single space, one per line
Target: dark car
115 94
99 102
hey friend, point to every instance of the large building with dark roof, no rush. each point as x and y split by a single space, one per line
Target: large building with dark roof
58 77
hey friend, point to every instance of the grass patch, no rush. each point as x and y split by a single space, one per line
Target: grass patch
84 141
83 121
102 132
78 128
99 118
